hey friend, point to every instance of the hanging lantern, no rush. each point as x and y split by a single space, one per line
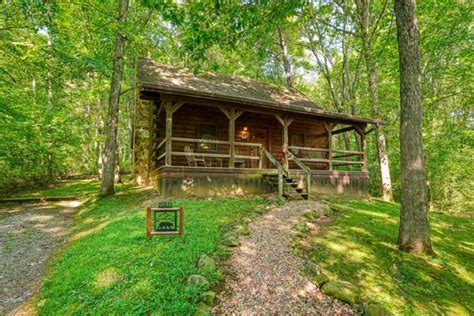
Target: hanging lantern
244 133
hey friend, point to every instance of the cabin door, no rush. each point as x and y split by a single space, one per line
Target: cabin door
259 135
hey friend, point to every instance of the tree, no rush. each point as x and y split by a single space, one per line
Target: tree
414 233
366 35
107 185
285 56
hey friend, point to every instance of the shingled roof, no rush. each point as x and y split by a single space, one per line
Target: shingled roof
162 78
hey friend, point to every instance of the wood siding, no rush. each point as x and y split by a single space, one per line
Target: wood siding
186 122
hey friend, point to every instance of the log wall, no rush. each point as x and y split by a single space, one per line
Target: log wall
179 180
186 122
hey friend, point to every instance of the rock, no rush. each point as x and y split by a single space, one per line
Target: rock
197 280
208 297
240 230
231 241
377 310
312 268
223 251
304 245
312 215
206 264
320 279
203 310
341 290
260 210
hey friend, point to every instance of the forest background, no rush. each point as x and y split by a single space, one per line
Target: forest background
56 63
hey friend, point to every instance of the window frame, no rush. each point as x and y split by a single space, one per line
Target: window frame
212 147
303 137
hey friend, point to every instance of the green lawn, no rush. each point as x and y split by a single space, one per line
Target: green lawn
79 188
359 246
110 267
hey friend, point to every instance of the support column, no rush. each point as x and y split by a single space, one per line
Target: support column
232 115
329 127
232 139
170 108
363 146
285 122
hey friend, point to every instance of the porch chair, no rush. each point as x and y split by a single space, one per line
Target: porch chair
192 159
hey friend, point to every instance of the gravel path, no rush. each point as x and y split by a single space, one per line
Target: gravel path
28 236
266 277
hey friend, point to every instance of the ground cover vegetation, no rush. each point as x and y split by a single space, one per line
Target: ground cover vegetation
110 267
357 243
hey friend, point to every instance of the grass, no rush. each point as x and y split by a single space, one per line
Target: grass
359 246
109 267
79 188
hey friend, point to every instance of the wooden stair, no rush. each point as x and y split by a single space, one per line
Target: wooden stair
290 186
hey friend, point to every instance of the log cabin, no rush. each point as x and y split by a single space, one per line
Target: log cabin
216 135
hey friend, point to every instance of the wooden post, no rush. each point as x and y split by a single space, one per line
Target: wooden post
231 139
363 143
260 159
280 183
148 222
181 221
308 182
232 115
329 128
169 131
286 163
170 108
285 122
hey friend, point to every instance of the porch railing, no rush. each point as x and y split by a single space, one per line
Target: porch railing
333 156
281 171
305 168
257 157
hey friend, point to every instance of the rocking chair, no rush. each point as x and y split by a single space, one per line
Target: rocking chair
192 159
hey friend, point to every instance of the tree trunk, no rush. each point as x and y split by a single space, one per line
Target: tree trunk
286 58
107 185
325 70
414 232
364 23
98 144
117 175
50 92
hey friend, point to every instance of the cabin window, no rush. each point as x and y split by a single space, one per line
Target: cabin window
207 132
297 139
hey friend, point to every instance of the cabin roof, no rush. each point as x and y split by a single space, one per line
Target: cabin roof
153 76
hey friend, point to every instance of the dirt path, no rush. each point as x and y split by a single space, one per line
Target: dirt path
28 236
266 275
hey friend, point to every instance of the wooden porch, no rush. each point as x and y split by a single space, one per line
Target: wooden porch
249 142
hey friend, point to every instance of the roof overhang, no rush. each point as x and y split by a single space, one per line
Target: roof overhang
309 111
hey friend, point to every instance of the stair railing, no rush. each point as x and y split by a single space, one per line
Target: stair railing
281 171
305 168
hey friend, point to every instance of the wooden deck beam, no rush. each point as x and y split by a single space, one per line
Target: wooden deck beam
343 130
363 143
170 108
285 122
329 127
232 114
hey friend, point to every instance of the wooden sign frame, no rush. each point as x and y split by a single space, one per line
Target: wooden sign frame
150 232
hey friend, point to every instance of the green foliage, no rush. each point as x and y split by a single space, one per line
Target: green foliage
42 137
360 246
110 266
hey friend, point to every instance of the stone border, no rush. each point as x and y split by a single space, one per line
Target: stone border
230 234
341 290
